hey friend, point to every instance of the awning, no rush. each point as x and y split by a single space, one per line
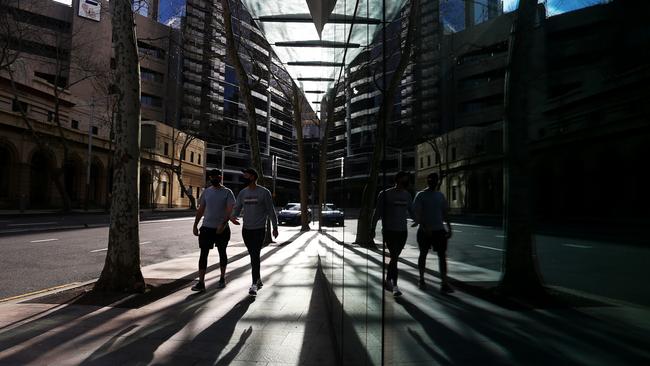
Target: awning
310 37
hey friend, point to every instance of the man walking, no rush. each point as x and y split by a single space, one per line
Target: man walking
393 205
431 209
257 203
215 206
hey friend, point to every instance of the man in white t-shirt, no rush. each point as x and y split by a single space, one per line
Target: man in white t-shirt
431 209
215 206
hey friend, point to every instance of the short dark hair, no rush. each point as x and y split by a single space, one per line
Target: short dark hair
401 174
251 171
433 177
214 173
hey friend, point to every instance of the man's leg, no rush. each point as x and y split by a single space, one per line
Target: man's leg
203 263
222 245
253 241
260 235
441 250
424 244
395 247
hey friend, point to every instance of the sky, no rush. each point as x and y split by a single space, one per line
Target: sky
169 8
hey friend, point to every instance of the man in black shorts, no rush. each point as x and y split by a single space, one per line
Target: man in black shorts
431 209
215 206
393 207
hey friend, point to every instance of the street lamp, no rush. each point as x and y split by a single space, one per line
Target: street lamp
90 152
223 155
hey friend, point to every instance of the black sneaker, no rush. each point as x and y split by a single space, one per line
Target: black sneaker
396 291
199 287
221 283
259 284
446 289
422 285
388 285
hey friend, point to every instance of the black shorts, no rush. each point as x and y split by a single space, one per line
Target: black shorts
208 238
395 240
436 240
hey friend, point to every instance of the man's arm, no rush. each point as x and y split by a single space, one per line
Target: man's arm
199 214
236 210
379 213
270 209
416 210
410 208
445 217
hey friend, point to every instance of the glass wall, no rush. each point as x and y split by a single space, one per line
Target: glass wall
533 130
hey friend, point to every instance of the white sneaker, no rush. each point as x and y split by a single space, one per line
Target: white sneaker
396 291
253 290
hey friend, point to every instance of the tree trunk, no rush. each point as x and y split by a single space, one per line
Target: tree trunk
122 267
245 90
364 225
322 164
302 162
520 272
245 93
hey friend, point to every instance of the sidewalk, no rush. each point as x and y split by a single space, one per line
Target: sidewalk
322 304
283 325
428 328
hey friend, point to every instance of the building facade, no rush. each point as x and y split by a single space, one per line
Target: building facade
58 139
587 115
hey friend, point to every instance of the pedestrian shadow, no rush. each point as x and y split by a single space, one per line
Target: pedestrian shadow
72 322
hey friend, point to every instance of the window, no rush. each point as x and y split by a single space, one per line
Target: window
50 116
454 193
18 106
150 100
150 50
182 193
421 162
163 188
52 79
437 158
74 124
150 75
182 154
199 161
428 160
453 153
166 149
95 130
191 156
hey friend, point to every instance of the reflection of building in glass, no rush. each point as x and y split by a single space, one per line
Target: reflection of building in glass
357 102
211 104
590 80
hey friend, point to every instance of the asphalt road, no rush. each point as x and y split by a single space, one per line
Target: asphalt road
45 259
603 268
33 260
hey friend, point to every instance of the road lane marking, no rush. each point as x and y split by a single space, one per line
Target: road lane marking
35 223
165 227
43 240
145 221
578 246
105 249
500 236
491 248
458 231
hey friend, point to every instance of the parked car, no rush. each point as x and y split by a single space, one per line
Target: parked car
290 214
332 215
